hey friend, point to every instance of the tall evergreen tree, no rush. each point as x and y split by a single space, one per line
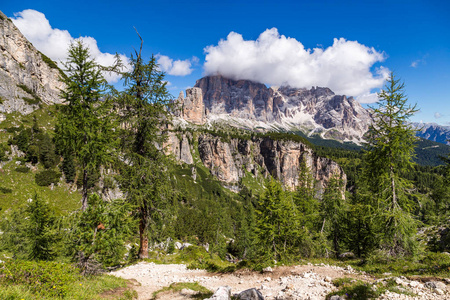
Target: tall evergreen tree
84 129
277 225
389 154
333 213
145 121
304 197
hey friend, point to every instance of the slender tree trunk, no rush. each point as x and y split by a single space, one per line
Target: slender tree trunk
143 236
84 198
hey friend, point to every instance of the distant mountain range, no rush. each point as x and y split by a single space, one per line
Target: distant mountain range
433 132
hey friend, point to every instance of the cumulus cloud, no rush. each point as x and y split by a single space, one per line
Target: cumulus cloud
55 42
175 67
274 59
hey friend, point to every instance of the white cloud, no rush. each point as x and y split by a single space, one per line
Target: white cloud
177 67
275 59
437 115
55 42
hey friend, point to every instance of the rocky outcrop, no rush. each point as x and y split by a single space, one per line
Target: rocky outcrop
27 78
230 160
251 105
178 145
192 107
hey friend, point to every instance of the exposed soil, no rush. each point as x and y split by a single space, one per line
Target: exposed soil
294 282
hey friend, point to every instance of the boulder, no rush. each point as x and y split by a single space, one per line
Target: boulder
250 294
222 293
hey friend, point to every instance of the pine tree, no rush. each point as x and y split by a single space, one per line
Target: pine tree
333 213
84 128
145 121
304 197
277 226
97 238
40 233
389 154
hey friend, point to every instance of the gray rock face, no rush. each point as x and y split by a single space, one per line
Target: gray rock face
22 65
178 145
192 107
222 293
231 160
250 294
247 104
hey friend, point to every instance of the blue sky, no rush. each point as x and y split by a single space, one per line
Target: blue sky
294 42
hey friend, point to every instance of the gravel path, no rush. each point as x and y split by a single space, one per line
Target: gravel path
299 282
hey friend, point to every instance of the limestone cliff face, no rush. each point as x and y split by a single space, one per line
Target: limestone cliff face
251 105
192 107
22 64
229 160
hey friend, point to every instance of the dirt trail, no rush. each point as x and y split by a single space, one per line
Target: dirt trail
311 282
307 282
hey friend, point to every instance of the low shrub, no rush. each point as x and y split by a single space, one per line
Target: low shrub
47 177
43 278
22 169
5 190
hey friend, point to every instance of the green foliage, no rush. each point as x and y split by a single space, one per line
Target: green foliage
5 190
52 65
14 238
28 231
52 280
31 101
38 146
278 227
68 168
305 198
388 155
44 278
98 234
22 169
3 150
144 176
84 128
35 100
333 213
40 231
202 292
47 177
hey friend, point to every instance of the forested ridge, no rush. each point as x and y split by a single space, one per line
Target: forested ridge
103 141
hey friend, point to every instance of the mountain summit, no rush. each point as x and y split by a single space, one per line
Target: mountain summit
251 105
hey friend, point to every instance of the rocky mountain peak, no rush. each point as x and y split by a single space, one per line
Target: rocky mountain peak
250 105
27 77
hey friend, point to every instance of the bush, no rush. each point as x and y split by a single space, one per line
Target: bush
3 149
47 177
97 238
5 190
43 278
22 169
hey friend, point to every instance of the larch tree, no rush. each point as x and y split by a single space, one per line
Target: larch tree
333 213
388 155
143 174
84 129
